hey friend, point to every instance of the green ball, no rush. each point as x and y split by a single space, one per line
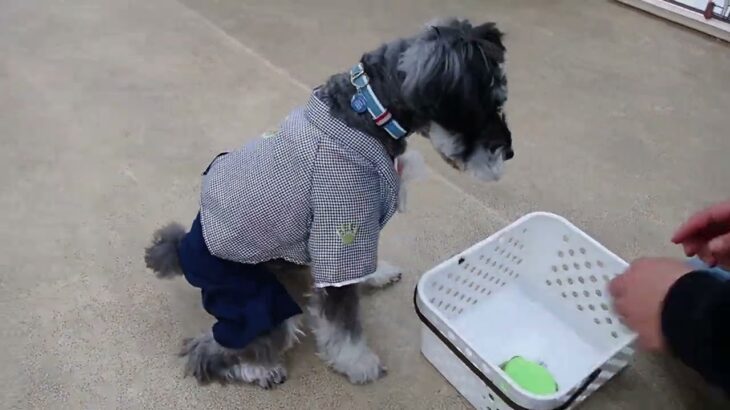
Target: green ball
531 376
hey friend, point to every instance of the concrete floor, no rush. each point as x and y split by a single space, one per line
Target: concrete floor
109 110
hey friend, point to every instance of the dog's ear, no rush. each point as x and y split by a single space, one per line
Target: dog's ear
489 32
429 66
450 56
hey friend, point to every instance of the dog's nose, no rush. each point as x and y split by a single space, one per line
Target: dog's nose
509 154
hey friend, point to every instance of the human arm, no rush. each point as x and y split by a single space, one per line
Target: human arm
675 309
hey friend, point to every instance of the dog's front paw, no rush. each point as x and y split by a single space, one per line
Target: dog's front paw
358 363
266 377
385 275
366 369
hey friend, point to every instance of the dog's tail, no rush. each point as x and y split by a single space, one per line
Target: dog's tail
161 256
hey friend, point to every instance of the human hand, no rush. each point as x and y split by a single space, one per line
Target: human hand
707 235
639 295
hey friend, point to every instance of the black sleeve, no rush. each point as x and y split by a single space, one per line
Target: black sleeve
696 325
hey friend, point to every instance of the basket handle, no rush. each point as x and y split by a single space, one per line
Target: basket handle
474 369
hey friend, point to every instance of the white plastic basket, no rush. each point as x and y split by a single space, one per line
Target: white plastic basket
537 289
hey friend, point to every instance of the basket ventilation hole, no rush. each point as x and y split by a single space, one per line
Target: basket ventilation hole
575 294
560 254
571 252
589 265
461 260
597 321
599 293
581 280
580 307
609 320
614 335
555 268
604 306
586 293
594 279
565 268
570 281
576 265
565 238
599 263
559 282
582 251
565 295
591 307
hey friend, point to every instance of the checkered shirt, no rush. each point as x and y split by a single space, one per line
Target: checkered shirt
317 193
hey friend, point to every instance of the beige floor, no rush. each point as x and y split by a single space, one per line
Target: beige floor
109 109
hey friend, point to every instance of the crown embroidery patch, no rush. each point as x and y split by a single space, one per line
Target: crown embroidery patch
347 233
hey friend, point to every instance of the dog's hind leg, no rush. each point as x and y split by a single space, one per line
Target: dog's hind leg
385 275
335 320
260 363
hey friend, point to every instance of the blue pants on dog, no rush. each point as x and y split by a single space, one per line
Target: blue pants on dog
247 300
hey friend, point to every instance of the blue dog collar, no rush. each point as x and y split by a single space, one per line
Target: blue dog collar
366 100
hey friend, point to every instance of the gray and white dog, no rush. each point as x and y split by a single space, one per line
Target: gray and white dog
446 83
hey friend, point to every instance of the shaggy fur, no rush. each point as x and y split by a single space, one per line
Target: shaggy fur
335 321
260 363
161 256
447 83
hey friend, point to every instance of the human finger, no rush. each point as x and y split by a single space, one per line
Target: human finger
699 222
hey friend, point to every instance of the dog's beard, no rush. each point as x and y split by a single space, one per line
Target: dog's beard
482 164
486 166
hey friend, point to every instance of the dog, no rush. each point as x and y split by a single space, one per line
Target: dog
315 194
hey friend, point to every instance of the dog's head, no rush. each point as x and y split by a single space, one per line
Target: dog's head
453 76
